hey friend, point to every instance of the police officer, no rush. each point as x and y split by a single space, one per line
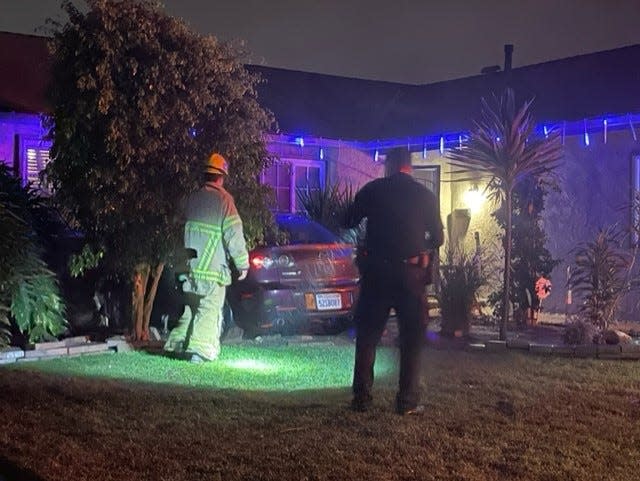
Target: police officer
403 225
214 229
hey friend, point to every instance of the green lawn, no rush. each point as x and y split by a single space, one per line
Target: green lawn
280 413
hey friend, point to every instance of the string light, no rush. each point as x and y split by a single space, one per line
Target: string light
376 155
425 143
586 134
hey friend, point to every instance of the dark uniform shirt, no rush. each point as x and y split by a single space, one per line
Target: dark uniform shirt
403 217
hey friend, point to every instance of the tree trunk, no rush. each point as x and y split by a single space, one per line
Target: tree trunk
142 297
507 267
151 296
140 279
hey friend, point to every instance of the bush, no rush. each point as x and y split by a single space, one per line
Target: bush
580 332
30 302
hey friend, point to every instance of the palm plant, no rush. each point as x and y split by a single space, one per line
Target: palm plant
601 276
502 147
328 205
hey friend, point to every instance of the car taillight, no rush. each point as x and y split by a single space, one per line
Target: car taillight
259 261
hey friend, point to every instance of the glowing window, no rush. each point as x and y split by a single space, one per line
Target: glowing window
35 157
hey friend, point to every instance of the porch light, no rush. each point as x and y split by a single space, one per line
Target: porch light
473 199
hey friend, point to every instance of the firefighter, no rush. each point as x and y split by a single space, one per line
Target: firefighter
403 228
214 229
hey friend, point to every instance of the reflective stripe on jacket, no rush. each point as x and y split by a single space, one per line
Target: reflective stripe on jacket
214 229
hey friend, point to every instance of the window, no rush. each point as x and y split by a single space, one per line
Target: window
35 156
289 176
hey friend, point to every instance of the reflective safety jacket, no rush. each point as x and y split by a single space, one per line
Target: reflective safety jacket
214 229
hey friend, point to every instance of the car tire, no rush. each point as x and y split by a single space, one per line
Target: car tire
230 330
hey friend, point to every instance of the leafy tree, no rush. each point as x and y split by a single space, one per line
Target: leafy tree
30 302
530 258
139 101
503 147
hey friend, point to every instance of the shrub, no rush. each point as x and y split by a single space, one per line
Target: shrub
30 301
580 332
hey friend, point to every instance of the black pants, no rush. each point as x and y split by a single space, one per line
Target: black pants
385 285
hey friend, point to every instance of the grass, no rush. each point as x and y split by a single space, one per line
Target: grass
285 417
240 367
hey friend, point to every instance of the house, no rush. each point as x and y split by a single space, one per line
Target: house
338 129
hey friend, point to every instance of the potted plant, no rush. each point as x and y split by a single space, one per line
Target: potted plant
461 278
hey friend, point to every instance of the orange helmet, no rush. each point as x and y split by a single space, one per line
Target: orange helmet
217 164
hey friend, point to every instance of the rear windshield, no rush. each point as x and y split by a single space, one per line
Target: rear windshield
304 231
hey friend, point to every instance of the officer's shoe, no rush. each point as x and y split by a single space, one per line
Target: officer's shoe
411 411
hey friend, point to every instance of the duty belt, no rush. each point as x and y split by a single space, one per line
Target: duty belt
419 260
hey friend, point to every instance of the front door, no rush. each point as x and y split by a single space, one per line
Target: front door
429 176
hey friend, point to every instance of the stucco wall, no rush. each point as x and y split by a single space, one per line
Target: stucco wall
452 198
596 189
343 164
352 167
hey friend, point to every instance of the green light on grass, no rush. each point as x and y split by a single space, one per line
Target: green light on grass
249 364
245 368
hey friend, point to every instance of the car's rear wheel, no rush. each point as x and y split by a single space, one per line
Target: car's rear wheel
230 330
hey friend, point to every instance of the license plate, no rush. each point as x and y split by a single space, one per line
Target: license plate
328 302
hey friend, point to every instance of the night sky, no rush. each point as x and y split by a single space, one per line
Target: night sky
407 41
